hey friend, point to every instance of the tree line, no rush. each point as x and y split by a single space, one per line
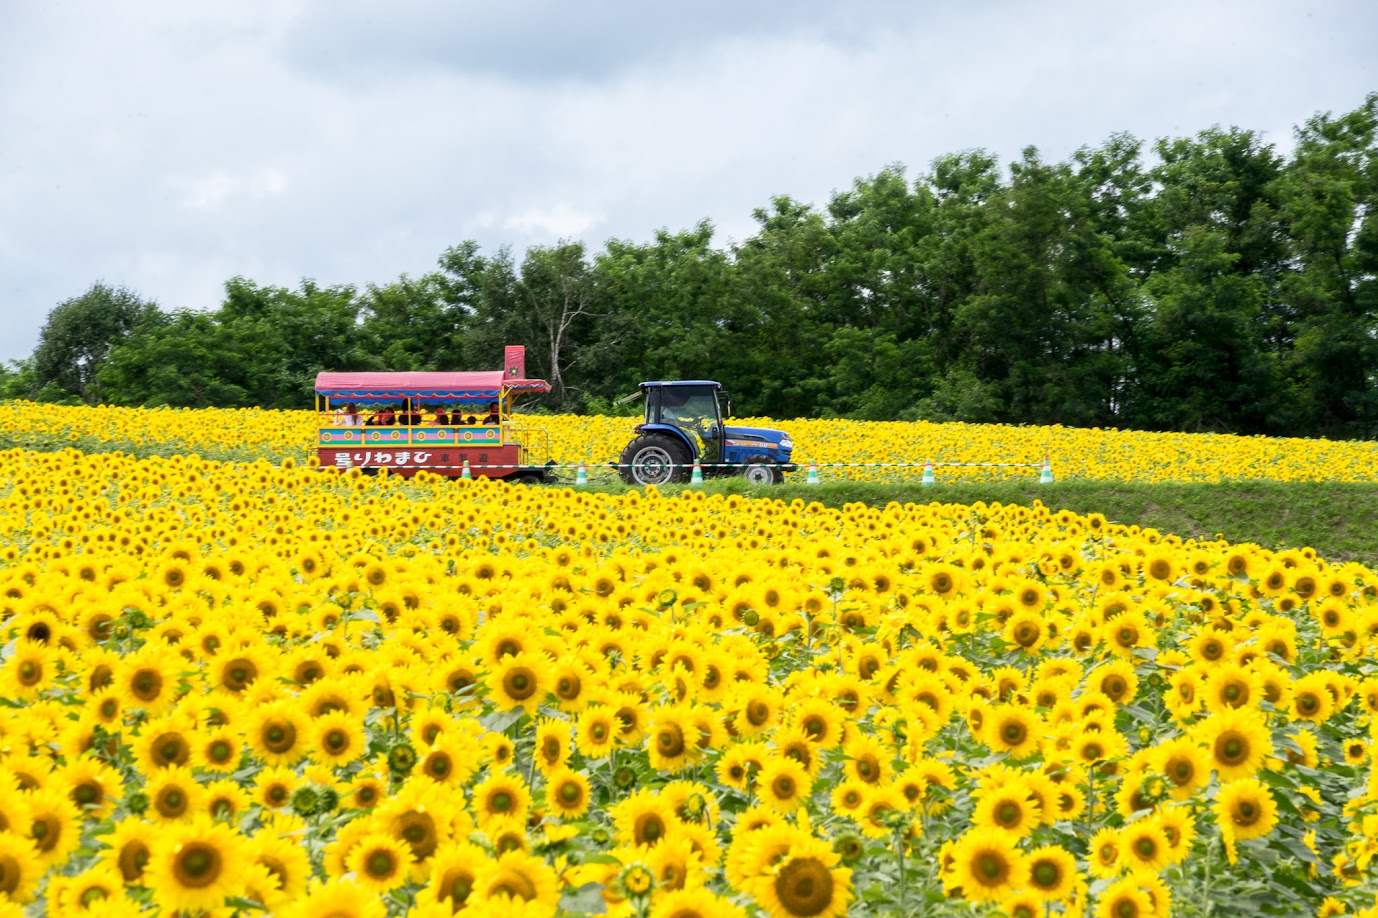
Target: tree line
1202 283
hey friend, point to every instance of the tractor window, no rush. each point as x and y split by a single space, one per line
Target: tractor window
689 408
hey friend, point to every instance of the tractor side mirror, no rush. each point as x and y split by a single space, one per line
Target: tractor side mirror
727 408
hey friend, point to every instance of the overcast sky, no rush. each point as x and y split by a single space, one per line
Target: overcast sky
167 145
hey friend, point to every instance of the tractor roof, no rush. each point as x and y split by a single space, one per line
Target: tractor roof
681 382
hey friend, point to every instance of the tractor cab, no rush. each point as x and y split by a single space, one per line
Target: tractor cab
683 426
692 409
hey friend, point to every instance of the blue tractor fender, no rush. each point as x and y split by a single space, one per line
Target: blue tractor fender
695 452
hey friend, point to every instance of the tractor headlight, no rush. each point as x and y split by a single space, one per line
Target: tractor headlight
786 443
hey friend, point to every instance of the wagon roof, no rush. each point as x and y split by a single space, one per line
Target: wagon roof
479 384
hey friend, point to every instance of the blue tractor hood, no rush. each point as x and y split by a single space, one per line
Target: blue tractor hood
733 432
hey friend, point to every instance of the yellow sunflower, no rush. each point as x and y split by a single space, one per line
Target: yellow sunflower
1237 741
1312 699
216 748
519 877
1104 857
672 740
127 849
596 734
1008 807
55 824
552 743
174 794
365 793
519 681
867 759
1179 828
1125 898
740 763
147 678
450 761
501 796
1053 874
197 864
985 865
338 898
821 721
784 784
453 871
1229 685
99 890
694 903
1184 763
567 792
806 881
93 786
273 787
1144 846
29 670
570 679
1245 809
420 814
380 862
278 733
1012 730
20 867
643 818
286 861
339 738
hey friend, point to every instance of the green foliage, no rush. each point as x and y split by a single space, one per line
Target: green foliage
77 339
263 347
1222 286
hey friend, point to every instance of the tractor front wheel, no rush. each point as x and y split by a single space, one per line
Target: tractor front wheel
654 460
759 470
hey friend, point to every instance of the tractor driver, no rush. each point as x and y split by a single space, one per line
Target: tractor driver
679 408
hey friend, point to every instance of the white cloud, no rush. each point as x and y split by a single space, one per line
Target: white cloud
219 188
169 146
562 220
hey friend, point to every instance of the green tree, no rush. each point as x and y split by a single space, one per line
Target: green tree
1218 332
1329 195
184 360
16 379
548 304
781 276
78 337
1037 330
417 323
671 313
960 185
1206 371
285 337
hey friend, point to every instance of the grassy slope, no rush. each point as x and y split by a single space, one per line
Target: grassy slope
1339 520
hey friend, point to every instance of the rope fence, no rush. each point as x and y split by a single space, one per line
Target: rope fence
813 468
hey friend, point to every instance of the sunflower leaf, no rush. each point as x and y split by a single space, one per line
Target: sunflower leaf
586 900
499 721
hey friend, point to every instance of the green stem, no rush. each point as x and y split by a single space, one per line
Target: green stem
901 879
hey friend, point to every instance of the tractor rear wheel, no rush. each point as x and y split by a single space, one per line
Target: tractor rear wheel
654 460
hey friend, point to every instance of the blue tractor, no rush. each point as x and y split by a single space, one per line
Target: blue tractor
684 424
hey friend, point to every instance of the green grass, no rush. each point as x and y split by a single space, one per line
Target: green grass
1339 520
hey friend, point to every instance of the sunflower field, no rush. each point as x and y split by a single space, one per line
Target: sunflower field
848 450
248 688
